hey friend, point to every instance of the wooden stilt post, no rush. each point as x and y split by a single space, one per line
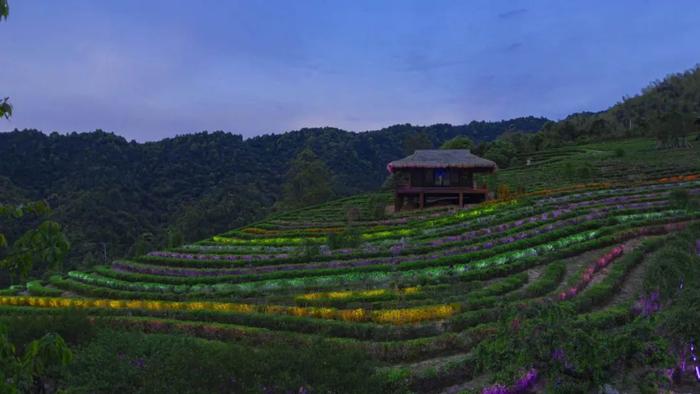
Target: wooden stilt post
398 202
421 200
461 200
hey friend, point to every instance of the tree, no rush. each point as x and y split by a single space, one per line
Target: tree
459 142
308 181
37 370
175 237
376 206
5 107
4 9
37 208
672 130
144 244
45 245
415 141
500 151
49 245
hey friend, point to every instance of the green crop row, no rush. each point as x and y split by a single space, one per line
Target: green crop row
37 289
378 276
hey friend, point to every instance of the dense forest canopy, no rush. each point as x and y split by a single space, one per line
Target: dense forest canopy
117 197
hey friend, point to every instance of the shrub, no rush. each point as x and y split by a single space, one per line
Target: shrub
71 324
553 341
376 206
503 192
38 369
310 250
679 199
352 213
127 362
349 238
669 270
36 288
583 173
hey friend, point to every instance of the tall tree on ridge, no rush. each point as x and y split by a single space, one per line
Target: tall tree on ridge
415 141
308 181
459 142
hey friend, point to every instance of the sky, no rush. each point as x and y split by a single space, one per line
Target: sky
153 69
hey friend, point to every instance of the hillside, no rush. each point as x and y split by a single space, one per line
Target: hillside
112 192
647 113
568 285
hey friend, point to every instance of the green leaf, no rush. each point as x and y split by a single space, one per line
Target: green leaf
5 106
4 9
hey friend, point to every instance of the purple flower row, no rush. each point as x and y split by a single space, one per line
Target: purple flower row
649 304
639 189
402 247
393 260
593 215
540 218
227 257
522 385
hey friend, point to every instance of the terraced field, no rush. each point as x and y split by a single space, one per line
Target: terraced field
417 291
628 160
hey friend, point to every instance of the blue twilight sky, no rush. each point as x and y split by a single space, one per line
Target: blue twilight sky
148 69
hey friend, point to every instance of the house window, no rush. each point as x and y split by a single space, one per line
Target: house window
441 177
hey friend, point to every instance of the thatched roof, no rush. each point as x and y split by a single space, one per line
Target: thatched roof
442 158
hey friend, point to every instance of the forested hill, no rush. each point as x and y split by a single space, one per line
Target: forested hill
121 196
665 109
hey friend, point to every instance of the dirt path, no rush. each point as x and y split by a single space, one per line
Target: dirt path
631 287
534 273
629 246
576 263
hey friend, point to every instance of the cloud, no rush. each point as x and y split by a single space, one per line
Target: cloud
512 13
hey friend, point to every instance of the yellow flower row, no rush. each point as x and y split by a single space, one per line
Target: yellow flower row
266 241
151 305
414 315
387 316
341 295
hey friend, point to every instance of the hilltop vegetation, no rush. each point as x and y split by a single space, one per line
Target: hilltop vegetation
118 197
664 109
